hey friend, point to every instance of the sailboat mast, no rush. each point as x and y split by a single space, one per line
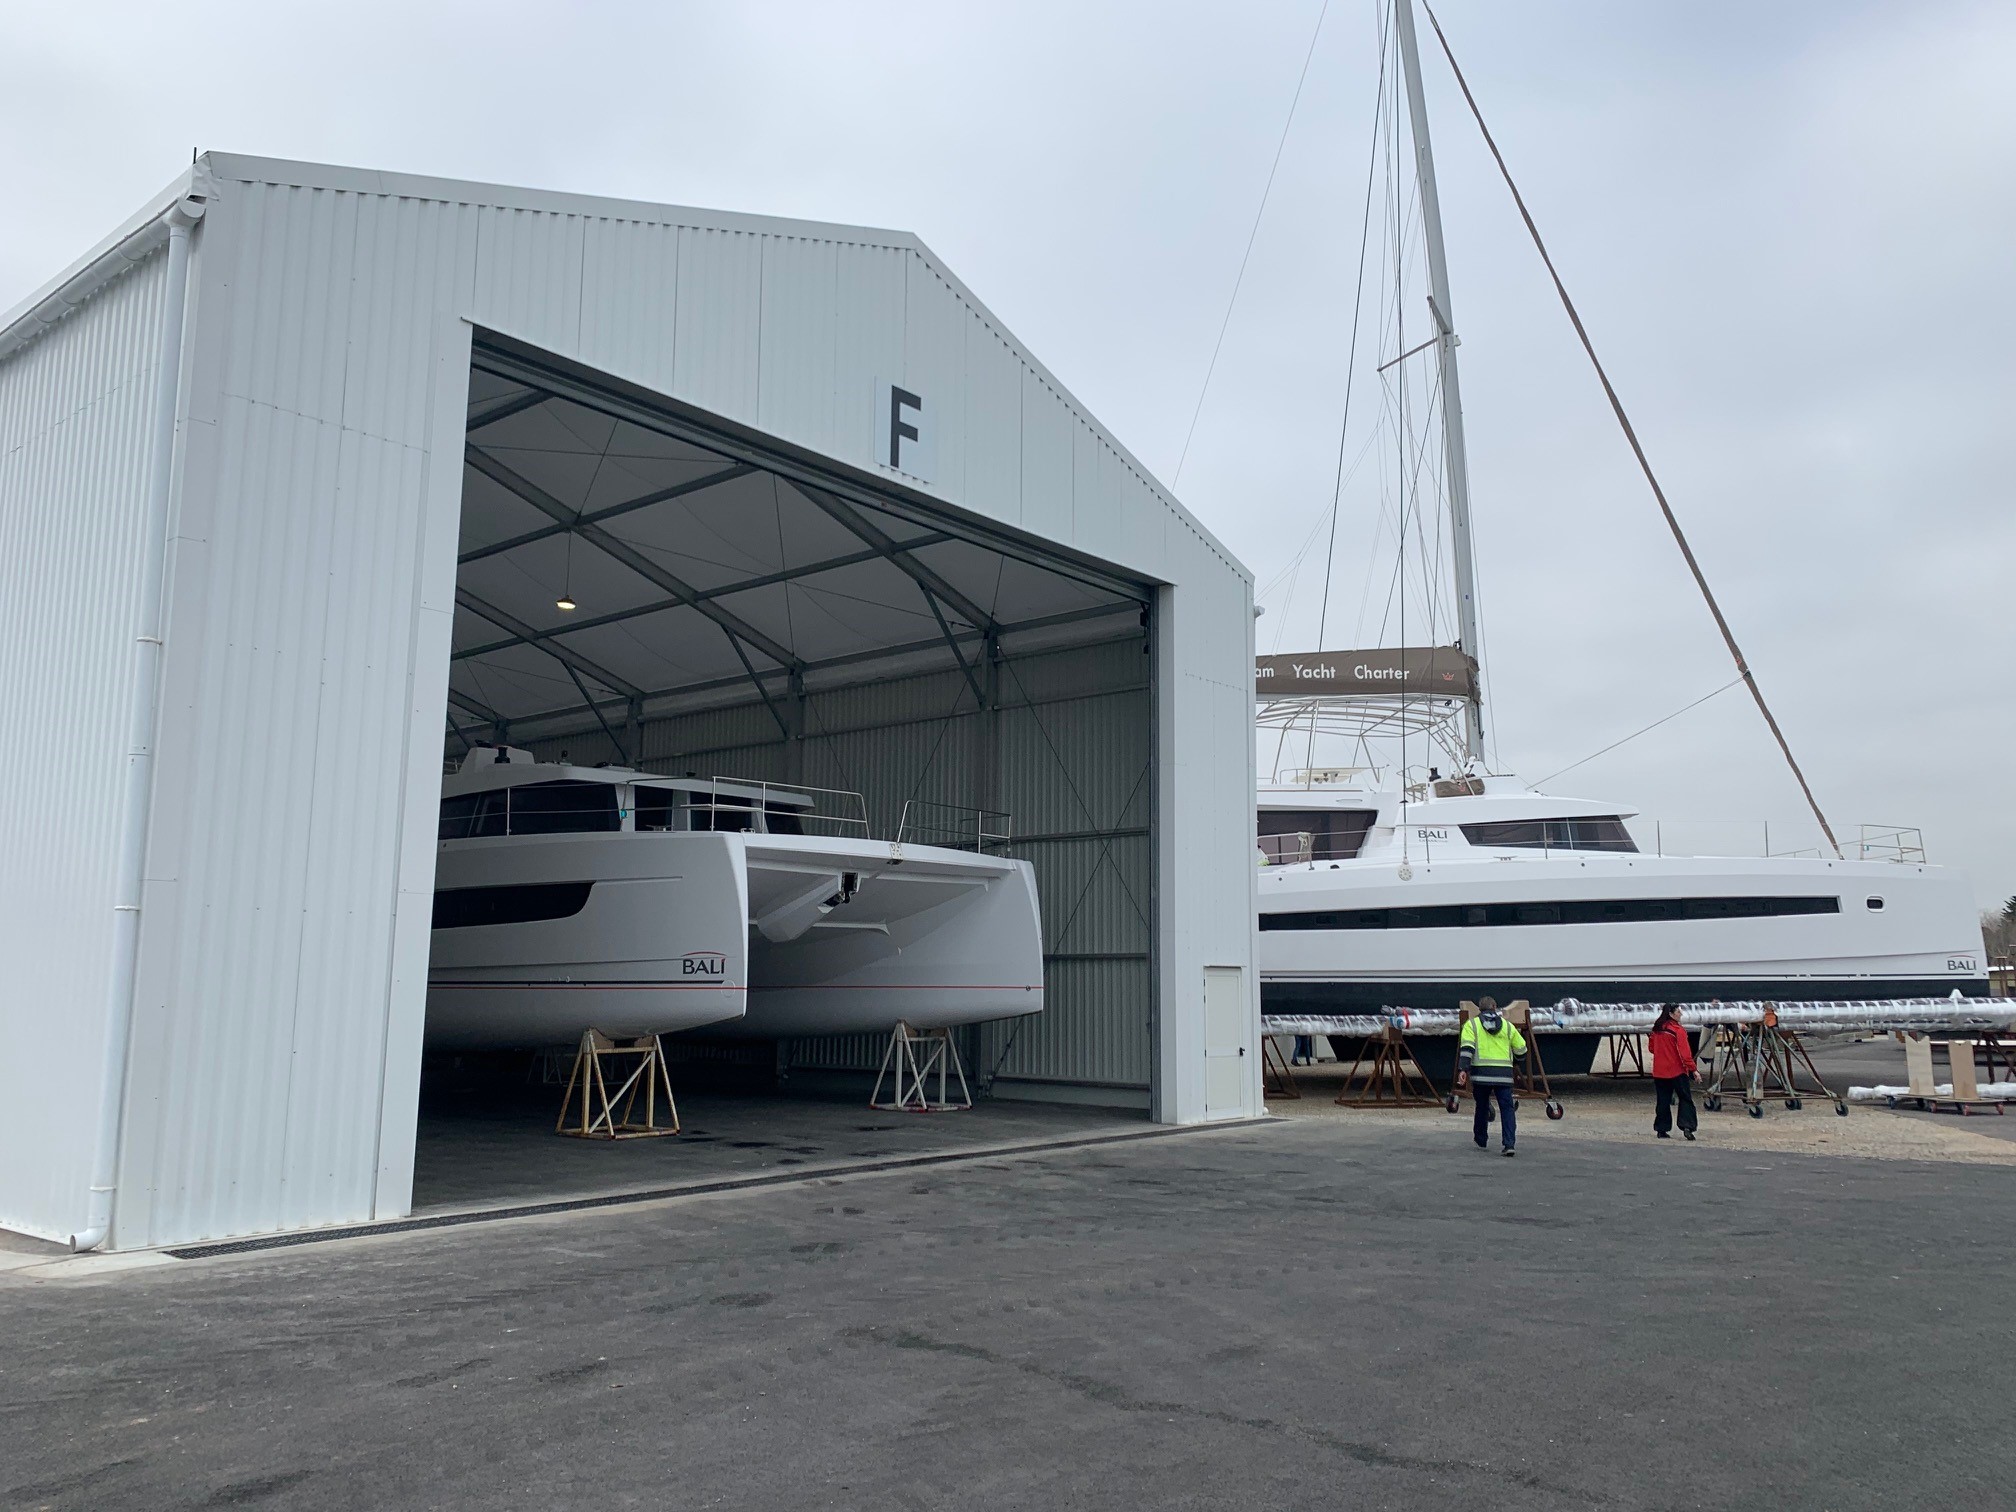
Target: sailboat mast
1456 467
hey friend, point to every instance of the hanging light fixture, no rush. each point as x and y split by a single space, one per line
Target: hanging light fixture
565 603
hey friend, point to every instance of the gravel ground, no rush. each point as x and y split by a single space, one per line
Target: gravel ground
1600 1108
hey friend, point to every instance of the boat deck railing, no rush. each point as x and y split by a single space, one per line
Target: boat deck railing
953 825
833 811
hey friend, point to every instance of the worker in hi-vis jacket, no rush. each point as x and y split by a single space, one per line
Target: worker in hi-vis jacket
1490 1046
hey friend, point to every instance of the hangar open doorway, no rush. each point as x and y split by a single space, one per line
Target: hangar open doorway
642 586
235 447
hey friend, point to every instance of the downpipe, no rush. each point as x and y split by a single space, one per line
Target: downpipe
137 806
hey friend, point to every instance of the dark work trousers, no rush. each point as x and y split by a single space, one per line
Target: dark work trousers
1508 1113
1670 1088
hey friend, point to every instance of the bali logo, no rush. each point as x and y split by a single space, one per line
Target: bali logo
711 964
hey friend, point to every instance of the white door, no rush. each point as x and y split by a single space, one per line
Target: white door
1229 1032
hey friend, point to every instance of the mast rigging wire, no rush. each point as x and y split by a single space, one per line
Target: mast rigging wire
1636 733
1251 237
1744 674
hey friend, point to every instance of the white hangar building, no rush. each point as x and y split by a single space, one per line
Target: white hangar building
291 468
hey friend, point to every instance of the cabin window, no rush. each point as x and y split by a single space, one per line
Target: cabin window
463 907
473 816
656 808
1573 911
563 808
1334 834
1601 834
1875 905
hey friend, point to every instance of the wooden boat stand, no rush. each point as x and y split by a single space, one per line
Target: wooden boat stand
913 1057
1276 1079
1965 1096
1390 1080
1759 1061
1994 1053
599 1116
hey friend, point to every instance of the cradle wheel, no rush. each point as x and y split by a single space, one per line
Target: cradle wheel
1756 1110
1841 1109
1451 1103
1555 1110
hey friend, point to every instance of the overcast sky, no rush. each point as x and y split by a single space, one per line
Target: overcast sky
1789 227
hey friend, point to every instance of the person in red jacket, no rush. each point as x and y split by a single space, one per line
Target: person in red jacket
1673 1073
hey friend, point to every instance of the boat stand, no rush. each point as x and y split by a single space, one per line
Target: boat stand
1626 1047
912 1058
1276 1079
1993 1051
600 1117
1390 1081
1759 1061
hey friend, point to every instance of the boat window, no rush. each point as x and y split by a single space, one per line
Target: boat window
473 816
1875 905
462 907
563 808
656 808
1334 834
1601 834
1572 911
780 820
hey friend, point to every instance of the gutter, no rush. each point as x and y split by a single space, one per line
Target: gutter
174 226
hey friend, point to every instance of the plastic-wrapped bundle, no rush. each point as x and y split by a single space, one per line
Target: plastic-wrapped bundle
1955 1014
1992 1091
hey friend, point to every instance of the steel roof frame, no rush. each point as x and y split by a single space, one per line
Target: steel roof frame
502 357
820 486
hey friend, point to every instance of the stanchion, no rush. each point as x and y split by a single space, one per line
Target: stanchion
1276 1079
1626 1047
1390 1081
599 1116
912 1058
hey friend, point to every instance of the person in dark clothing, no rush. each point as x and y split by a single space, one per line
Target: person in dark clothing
1673 1073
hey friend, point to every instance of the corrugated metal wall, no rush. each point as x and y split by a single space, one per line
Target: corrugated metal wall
284 932
75 409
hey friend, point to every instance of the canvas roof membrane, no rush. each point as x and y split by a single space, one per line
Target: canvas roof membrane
692 572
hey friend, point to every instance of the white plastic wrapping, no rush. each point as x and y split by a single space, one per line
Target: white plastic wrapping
1953 1014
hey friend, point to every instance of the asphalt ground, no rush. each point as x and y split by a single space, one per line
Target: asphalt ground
1305 1314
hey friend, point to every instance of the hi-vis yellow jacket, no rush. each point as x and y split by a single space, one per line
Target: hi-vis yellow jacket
1489 1057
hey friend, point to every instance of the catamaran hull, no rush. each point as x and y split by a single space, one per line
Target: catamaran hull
1889 931
539 938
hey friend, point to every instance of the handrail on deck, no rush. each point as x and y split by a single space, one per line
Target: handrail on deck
962 828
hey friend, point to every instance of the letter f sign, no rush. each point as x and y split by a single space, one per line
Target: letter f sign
908 443
901 430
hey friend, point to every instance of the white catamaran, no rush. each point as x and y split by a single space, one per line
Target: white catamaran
1411 889
569 898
